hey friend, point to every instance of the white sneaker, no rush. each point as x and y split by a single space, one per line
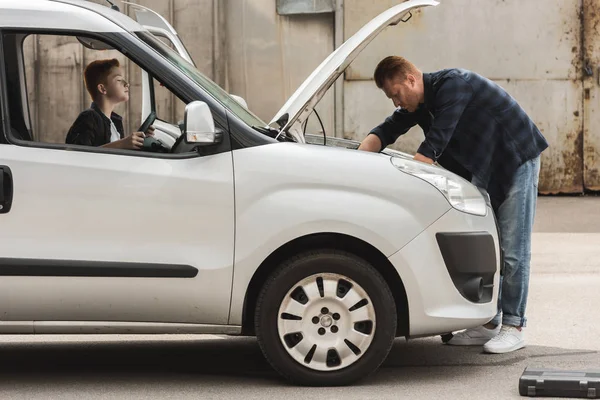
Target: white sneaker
474 336
509 339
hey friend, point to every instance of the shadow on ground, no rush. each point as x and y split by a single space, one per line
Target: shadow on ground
189 360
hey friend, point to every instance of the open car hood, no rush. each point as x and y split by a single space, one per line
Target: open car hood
299 106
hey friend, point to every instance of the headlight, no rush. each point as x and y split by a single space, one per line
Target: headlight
460 193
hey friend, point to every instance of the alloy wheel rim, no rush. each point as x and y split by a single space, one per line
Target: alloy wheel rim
326 322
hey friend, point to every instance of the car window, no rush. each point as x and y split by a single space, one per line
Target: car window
169 108
56 92
50 90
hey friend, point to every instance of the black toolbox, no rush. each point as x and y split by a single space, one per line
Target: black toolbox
541 382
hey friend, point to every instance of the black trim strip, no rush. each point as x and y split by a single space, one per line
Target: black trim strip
42 267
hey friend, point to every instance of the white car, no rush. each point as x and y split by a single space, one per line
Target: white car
227 224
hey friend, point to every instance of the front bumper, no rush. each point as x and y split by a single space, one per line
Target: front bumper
440 268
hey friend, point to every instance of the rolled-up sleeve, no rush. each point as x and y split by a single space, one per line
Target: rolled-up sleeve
394 126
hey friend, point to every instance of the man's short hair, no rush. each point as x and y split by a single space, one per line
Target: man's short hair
96 73
391 67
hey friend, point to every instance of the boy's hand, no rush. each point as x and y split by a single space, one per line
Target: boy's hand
134 141
150 131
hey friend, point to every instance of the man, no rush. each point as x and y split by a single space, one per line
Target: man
100 125
473 127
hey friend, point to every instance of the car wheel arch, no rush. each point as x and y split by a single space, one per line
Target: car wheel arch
337 241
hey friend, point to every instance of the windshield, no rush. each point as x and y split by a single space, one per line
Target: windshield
212 88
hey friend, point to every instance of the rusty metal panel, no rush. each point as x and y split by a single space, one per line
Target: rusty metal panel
269 56
501 39
591 98
556 108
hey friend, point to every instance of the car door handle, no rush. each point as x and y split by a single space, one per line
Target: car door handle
6 189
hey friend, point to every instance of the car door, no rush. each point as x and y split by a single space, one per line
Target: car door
96 236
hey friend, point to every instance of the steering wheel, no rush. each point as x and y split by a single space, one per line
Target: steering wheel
151 144
147 122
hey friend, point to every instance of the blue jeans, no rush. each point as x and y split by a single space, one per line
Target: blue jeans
515 219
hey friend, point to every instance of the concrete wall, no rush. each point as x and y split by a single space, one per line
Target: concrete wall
269 56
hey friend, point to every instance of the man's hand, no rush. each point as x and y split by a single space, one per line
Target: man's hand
371 143
422 158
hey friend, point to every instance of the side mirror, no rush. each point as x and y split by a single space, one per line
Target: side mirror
199 126
240 100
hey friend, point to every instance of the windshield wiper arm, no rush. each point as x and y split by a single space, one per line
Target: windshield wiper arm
267 130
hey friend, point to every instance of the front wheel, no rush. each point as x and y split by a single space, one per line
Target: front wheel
325 318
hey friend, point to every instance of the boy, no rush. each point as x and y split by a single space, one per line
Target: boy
100 125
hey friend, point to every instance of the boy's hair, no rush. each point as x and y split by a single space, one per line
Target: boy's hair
96 73
391 67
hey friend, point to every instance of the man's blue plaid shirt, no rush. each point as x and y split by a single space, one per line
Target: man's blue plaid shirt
473 122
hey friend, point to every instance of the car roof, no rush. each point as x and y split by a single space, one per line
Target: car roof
77 15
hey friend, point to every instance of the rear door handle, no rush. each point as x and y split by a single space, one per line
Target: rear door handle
6 189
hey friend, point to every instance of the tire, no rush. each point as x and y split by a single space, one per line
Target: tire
370 327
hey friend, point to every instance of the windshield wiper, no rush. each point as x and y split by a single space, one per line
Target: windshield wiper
271 132
267 130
